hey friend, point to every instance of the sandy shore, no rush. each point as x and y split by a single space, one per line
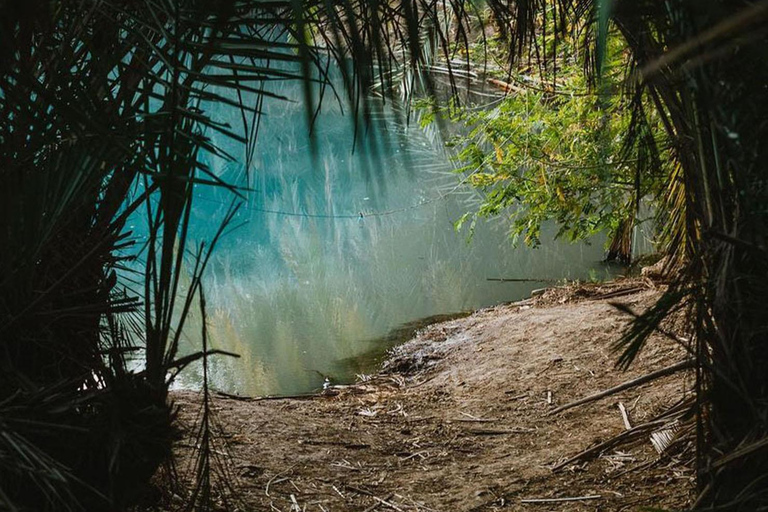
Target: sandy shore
459 419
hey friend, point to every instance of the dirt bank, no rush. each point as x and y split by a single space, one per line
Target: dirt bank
458 420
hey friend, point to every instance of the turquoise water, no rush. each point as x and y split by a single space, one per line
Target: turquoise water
333 251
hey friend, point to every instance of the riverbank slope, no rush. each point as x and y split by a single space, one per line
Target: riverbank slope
459 420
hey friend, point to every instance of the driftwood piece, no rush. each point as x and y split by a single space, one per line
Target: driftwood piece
669 370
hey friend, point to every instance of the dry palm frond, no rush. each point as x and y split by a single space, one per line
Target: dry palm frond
103 108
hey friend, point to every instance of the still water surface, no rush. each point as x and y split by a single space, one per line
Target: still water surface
332 252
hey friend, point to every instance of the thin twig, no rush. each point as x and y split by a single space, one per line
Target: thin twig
639 467
625 416
372 507
271 480
385 502
484 432
351 446
417 454
473 419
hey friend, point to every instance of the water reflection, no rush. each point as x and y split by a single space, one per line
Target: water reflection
338 249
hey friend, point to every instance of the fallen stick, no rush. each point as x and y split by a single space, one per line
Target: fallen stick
669 370
560 500
618 293
358 490
306 396
419 505
274 478
372 507
417 454
230 396
741 452
344 466
351 446
639 467
388 504
483 432
625 416
489 432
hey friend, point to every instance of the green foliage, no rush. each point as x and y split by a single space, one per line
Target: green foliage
560 153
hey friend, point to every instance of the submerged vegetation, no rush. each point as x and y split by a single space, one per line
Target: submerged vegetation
105 114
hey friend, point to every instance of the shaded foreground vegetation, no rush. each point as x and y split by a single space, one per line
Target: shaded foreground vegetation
103 108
